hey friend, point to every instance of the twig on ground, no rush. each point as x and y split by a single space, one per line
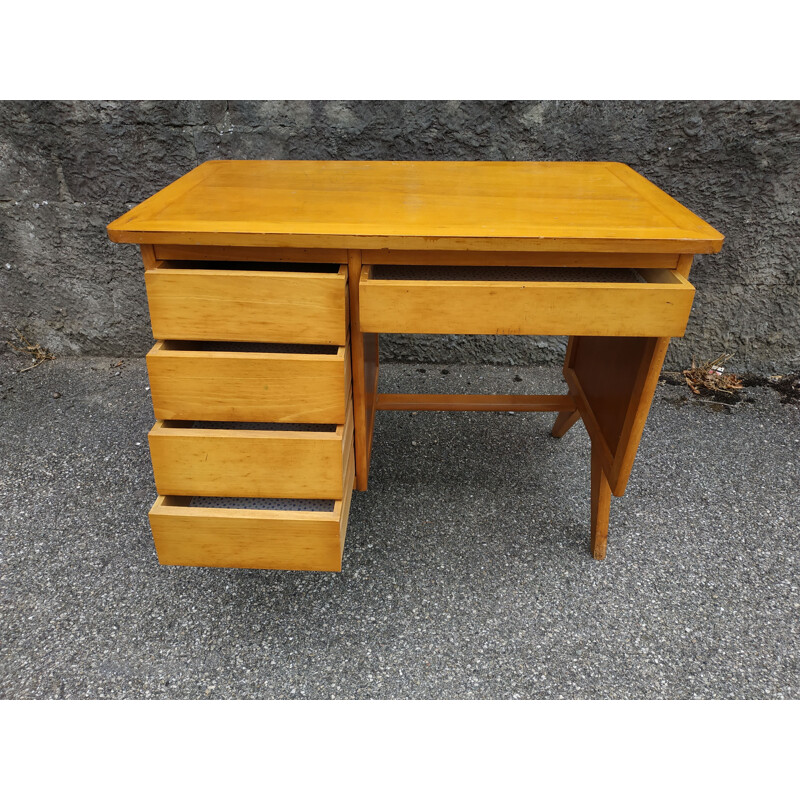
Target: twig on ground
38 353
710 377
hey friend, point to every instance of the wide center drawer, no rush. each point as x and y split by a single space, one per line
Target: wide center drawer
257 304
251 459
524 300
249 382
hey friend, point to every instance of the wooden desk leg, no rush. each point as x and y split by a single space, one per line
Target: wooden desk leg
364 360
601 505
613 380
564 421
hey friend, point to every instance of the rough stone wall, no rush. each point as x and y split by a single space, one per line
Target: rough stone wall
69 168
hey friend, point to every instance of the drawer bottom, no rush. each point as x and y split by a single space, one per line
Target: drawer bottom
253 533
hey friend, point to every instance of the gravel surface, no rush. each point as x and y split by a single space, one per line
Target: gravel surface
466 571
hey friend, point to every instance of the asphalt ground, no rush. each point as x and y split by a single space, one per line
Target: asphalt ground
466 571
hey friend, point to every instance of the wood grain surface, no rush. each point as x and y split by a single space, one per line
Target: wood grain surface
421 205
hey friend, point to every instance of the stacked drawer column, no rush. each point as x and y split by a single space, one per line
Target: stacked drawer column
250 379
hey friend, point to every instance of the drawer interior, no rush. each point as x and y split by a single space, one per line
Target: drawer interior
515 274
263 503
252 347
287 427
248 427
253 266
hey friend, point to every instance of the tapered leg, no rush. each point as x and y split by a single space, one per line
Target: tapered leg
364 360
601 505
357 360
564 421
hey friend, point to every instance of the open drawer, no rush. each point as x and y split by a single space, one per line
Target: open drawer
248 302
250 459
249 382
546 301
253 534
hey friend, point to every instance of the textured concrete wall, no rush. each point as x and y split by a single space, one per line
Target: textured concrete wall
69 168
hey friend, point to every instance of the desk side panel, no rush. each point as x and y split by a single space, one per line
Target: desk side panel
614 380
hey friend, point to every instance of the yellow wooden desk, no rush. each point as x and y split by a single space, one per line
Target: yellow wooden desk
270 281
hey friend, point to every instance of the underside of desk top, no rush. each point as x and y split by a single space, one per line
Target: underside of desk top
419 205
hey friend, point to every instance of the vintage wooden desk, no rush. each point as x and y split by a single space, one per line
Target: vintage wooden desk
269 282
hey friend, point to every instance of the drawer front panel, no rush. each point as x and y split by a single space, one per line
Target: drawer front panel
657 306
249 386
251 539
250 463
247 306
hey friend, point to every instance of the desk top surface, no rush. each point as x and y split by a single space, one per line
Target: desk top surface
441 205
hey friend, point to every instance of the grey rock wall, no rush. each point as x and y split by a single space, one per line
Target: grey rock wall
69 168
